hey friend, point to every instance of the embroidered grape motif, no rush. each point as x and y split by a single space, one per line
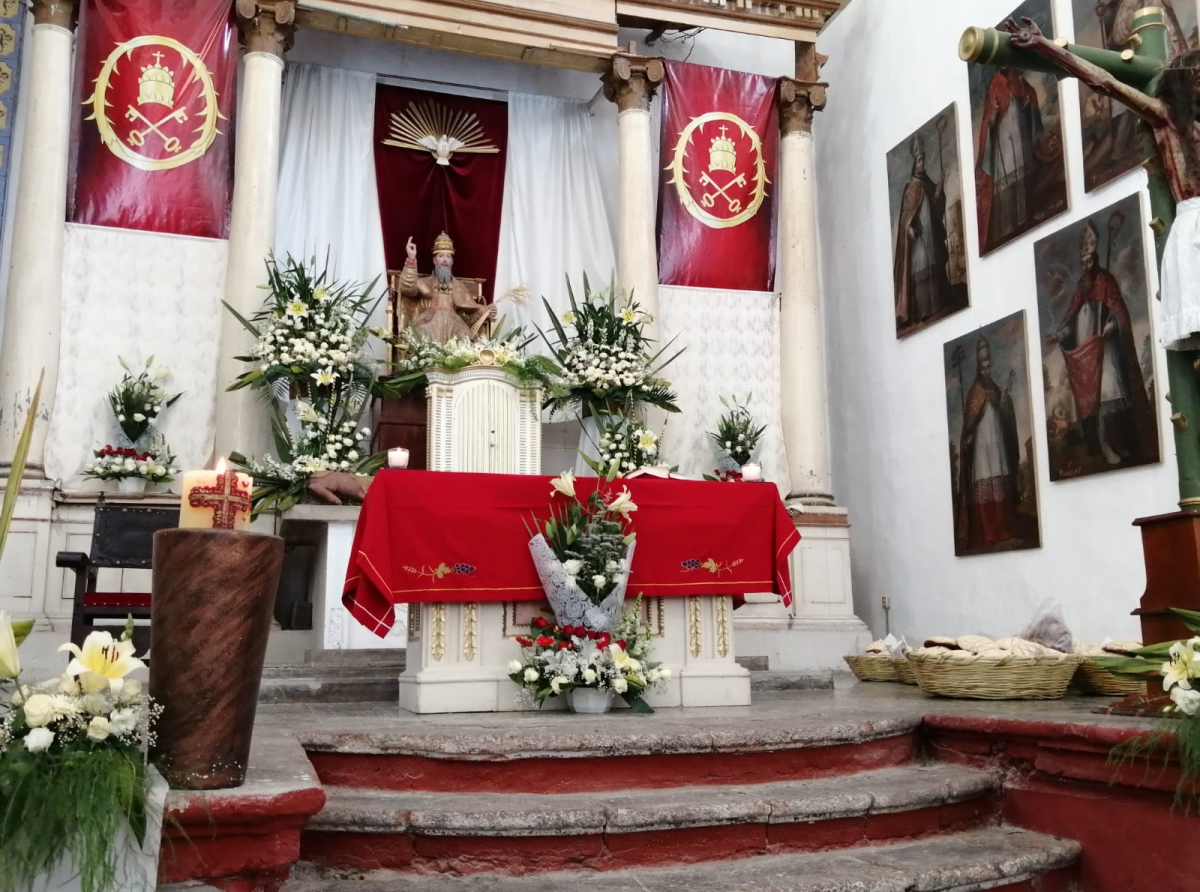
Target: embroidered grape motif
693 564
462 569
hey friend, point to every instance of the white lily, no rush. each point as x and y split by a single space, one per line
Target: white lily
102 662
565 484
323 377
297 309
1178 670
623 504
568 317
10 661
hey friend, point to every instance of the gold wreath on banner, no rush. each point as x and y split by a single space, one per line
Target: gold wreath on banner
156 87
723 157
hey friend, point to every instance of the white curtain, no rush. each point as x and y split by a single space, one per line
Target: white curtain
553 223
327 197
732 341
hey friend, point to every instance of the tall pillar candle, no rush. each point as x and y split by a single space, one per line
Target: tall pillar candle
34 301
241 424
630 82
212 605
802 360
220 499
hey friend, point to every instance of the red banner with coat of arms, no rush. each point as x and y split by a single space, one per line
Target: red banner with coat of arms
720 144
156 85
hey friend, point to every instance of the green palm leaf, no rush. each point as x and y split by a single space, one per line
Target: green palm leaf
17 468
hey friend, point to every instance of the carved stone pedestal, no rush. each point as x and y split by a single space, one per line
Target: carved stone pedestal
458 655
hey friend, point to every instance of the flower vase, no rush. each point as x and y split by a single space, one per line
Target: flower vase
136 863
591 701
131 484
572 606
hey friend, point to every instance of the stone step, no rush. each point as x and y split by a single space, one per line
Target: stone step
324 689
994 858
361 657
557 752
518 832
791 681
307 670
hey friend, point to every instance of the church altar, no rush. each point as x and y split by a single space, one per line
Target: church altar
456 547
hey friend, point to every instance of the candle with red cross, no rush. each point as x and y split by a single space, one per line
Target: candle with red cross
218 499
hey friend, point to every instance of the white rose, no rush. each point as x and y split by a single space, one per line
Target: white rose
557 682
531 675
69 685
599 581
94 704
1187 700
572 567
39 711
620 685
123 721
38 740
98 729
611 567
131 691
514 666
589 676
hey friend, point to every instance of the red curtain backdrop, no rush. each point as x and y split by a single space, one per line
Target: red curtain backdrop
711 235
419 198
159 154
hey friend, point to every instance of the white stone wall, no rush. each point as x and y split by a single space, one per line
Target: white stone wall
891 67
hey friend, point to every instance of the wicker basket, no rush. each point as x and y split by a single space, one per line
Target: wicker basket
992 678
1091 678
904 670
872 667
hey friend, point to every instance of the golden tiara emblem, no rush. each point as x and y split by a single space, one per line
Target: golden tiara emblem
730 189
157 130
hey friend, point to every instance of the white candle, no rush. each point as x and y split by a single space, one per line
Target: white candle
217 499
398 457
751 471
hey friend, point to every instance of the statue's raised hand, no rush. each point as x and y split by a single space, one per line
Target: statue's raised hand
411 248
1025 34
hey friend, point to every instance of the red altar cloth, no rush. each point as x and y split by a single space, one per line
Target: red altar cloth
439 536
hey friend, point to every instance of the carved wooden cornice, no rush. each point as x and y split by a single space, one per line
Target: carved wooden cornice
267 26
630 81
798 100
54 12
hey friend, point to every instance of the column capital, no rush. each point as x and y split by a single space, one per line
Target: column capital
630 81
798 100
267 26
54 12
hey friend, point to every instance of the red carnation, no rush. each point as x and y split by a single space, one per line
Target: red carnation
591 635
621 643
541 622
524 642
545 641
603 639
568 630
566 645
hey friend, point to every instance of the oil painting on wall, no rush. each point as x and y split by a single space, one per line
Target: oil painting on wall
1111 144
929 259
1016 119
1097 345
992 468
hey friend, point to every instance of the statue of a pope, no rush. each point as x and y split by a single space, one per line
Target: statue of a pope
440 306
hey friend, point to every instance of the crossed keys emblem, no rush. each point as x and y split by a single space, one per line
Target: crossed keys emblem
709 199
156 86
138 137
713 204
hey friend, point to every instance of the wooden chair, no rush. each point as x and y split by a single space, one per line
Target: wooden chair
122 538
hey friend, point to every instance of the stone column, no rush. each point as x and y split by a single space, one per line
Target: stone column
242 424
34 307
630 82
802 362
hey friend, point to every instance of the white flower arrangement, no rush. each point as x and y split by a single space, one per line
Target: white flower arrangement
625 444
557 659
1181 676
73 760
505 349
155 465
138 399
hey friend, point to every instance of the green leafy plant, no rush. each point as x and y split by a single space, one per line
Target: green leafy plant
1177 663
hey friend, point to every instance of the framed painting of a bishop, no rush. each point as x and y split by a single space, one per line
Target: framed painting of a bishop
929 265
992 469
1097 344
1016 119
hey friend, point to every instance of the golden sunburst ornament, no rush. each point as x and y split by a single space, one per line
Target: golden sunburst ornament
429 126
